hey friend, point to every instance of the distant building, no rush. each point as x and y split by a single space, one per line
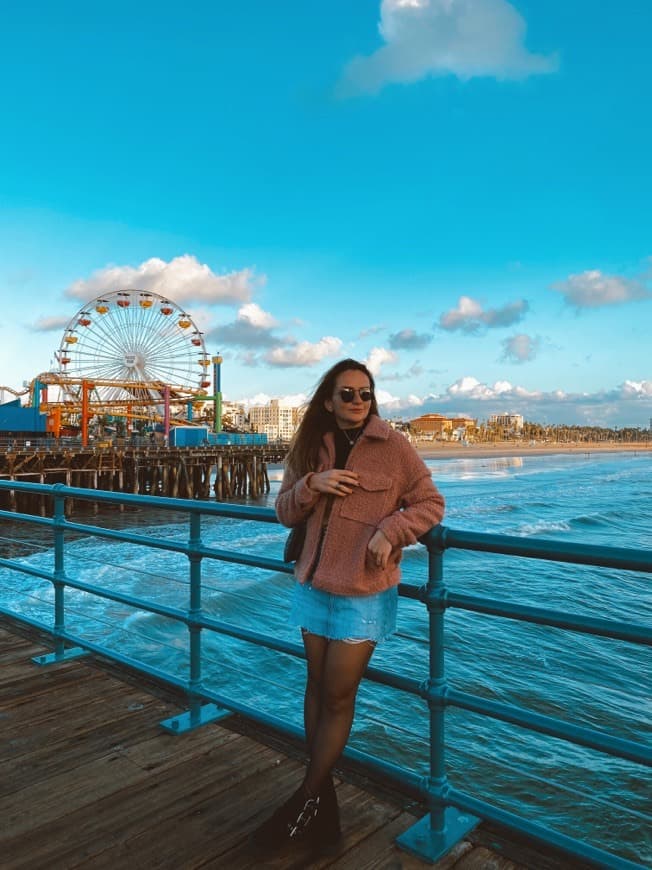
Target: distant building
235 415
437 426
434 425
276 421
508 422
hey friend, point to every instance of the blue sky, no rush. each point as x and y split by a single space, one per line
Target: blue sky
457 191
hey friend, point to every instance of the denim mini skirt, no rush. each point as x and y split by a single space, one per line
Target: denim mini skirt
351 618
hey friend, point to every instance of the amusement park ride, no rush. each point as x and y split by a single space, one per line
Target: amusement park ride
130 356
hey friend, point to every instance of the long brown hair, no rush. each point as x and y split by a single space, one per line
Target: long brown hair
303 454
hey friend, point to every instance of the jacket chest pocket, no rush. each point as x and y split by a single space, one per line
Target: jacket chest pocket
370 501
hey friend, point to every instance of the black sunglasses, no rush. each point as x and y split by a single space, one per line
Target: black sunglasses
347 394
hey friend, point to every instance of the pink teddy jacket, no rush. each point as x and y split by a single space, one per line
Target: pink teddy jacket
395 494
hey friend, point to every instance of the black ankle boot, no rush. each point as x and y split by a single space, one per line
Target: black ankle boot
325 832
289 822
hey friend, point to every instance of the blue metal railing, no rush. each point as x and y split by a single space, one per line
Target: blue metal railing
452 812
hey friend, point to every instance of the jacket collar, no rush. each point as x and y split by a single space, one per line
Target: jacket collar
377 428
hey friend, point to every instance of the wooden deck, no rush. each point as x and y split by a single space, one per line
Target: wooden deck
88 779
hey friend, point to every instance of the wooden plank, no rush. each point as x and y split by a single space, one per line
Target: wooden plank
38 754
481 858
378 851
64 793
150 811
10 644
37 680
214 819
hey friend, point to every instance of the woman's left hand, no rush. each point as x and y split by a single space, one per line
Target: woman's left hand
379 549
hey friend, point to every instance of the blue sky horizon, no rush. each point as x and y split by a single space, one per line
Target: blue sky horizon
455 191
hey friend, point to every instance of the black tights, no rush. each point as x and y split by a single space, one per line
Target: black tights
335 669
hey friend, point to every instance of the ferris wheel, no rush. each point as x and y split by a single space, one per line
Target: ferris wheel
135 344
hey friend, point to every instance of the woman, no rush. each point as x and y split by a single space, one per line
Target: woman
364 494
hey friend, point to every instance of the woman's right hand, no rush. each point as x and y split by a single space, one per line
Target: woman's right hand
335 481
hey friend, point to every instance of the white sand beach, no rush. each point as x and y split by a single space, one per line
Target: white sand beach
455 450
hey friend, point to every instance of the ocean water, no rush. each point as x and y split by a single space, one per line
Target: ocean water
599 498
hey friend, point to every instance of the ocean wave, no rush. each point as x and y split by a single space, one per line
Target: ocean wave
591 520
540 528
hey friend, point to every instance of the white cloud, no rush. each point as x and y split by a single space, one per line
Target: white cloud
184 279
255 315
304 353
387 401
467 316
465 38
520 348
471 388
294 400
471 317
395 404
252 328
636 390
51 324
593 289
377 358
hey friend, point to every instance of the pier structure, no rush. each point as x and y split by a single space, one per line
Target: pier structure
220 472
456 803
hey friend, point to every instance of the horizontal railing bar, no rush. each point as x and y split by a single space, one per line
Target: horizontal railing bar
439 537
121 658
250 636
263 562
377 675
14 516
412 782
105 496
408 780
26 569
415 784
410 590
540 548
396 681
124 536
130 600
541 833
532 721
633 632
27 620
182 547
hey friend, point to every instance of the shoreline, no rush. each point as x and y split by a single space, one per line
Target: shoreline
443 450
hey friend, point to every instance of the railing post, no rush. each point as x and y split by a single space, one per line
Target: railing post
443 827
198 714
59 583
